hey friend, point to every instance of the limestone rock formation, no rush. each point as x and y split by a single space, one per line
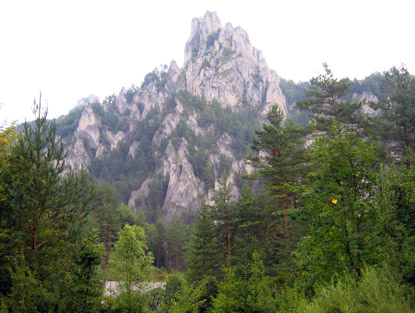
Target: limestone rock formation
154 122
220 63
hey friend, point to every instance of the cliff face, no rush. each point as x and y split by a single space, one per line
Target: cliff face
221 64
183 126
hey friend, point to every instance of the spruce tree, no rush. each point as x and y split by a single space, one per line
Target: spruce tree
226 300
248 218
160 256
176 236
223 213
202 251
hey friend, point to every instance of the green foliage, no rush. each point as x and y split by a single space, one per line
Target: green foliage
123 171
201 166
195 52
224 213
248 220
292 91
84 290
7 137
109 119
188 300
176 237
257 78
372 84
129 94
157 243
398 113
158 76
379 291
340 214
258 296
201 256
41 216
225 164
212 37
226 300
325 101
109 217
27 293
67 124
131 260
282 164
152 205
394 231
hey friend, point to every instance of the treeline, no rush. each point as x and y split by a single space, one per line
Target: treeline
329 228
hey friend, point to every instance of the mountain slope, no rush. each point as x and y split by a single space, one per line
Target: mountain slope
164 144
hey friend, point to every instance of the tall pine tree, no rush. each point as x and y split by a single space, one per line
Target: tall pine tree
397 115
281 160
42 209
326 101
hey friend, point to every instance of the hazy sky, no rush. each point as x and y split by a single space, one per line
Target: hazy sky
71 49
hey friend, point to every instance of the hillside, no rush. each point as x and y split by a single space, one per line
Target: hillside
163 145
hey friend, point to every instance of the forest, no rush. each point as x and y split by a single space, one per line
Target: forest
324 223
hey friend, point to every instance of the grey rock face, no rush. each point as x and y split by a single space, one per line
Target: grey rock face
220 64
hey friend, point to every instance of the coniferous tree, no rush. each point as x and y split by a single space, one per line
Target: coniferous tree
249 221
326 103
281 160
107 218
223 213
226 300
176 236
259 298
42 208
397 114
160 256
202 250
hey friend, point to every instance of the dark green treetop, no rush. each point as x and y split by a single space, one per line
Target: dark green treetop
326 101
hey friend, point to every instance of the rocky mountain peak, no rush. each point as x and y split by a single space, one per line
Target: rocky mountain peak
167 142
221 64
201 29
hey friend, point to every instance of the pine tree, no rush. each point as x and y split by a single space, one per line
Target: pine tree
398 113
281 160
43 207
202 251
326 101
107 218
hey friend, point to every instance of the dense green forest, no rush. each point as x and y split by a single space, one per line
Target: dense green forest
329 226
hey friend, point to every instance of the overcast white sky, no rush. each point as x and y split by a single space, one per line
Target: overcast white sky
71 49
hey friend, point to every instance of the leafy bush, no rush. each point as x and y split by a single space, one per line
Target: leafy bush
379 291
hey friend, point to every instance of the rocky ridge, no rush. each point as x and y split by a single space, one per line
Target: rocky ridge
220 65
